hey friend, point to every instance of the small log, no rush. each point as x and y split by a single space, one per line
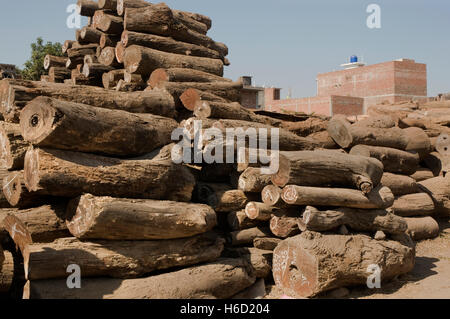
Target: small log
108 4
54 61
421 228
394 161
221 197
70 174
12 146
420 204
46 122
399 184
284 226
271 196
161 76
357 219
90 35
253 181
324 140
260 261
59 74
108 58
422 174
120 52
108 40
87 8
260 211
240 221
95 70
266 243
142 60
111 78
6 270
246 236
321 168
230 91
302 267
307 127
120 259
380 197
66 46
217 280
110 24
17 194
191 97
123 86
125 219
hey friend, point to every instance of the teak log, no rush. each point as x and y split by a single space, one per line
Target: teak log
259 261
70 174
110 24
266 243
218 280
168 45
230 91
260 211
246 236
127 219
420 204
271 196
87 8
307 127
108 57
142 60
54 61
192 97
47 122
107 40
123 86
111 78
379 197
284 226
12 146
59 74
95 70
253 181
108 4
302 266
160 76
321 168
394 161
240 221
118 259
6 270
17 194
90 35
221 197
422 174
439 189
421 228
324 140
400 184
67 45
357 219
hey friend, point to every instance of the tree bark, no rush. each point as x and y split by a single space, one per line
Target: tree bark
253 181
54 61
266 243
107 40
306 127
6 270
218 280
324 140
47 122
221 197
320 168
302 266
95 70
284 226
111 78
246 236
108 4
399 184
260 261
439 189
394 161
90 35
240 221
260 211
123 86
70 174
380 197
110 24
87 8
142 60
420 204
161 76
125 219
357 219
12 146
59 74
421 228
230 91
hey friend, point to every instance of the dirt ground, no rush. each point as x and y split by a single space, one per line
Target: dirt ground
430 278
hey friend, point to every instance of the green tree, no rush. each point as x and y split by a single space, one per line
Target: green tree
34 67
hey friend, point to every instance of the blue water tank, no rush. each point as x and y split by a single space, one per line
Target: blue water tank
353 59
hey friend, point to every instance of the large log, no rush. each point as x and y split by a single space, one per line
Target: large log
192 97
161 76
307 127
357 219
54 61
422 174
420 204
47 122
399 184
321 168
118 259
90 35
230 91
12 146
125 219
221 197
6 270
218 280
142 60
159 19
260 261
421 228
394 161
19 93
70 174
108 58
167 44
112 78
302 266
380 197
17 194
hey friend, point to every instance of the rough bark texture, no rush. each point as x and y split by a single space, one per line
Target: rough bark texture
240 221
87 8
320 168
221 197
421 228
260 211
118 259
70 174
379 197
439 189
218 280
54 61
260 261
126 219
312 263
394 161
246 236
191 97
253 181
17 194
266 243
47 122
419 204
160 76
284 226
357 219
400 184
12 146
324 140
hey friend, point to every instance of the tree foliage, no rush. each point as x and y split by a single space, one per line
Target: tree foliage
34 67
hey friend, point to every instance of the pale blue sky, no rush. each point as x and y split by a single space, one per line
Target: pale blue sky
283 43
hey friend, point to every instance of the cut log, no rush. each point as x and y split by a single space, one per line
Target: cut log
191 97
70 174
167 44
324 140
161 76
12 146
260 211
119 259
307 127
142 60
132 78
260 261
438 164
284 226
46 122
108 57
302 266
154 102
240 221
95 70
221 197
90 35
67 45
6 270
246 236
59 74
123 86
399 184
218 280
159 19
422 174
120 52
107 40
394 161
125 219
110 24
108 4
439 189
54 61
253 181
271 196
379 197
420 204
36 225
357 219
230 91
111 78
422 228
266 243
320 168
87 8
17 194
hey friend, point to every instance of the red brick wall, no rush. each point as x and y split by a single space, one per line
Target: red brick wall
347 105
249 98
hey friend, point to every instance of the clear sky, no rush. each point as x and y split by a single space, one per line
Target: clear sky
283 43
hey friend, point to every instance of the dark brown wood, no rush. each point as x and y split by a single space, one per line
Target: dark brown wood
67 45
6 270
17 194
107 40
266 243
54 61
87 8
95 70
240 221
253 181
110 24
90 35
125 219
271 196
59 74
221 197
284 226
246 236
307 127
120 259
123 86
12 146
70 174
191 97
108 4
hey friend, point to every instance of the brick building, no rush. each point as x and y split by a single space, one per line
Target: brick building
8 71
352 90
252 96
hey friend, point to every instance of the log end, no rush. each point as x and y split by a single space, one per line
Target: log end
12 188
158 78
271 195
82 210
289 195
190 98
6 159
339 130
281 178
18 232
202 110
31 169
